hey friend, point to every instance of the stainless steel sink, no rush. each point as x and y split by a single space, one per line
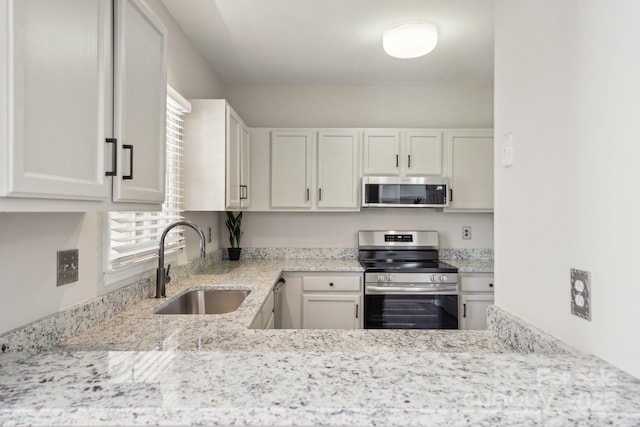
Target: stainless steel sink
208 301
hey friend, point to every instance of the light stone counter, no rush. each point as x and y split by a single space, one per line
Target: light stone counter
472 266
144 369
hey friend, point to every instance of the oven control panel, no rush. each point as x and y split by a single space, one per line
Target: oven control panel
396 238
411 278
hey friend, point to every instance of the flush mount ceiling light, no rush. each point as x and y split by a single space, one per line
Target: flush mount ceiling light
410 40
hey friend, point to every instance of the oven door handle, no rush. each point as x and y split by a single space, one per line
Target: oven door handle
398 289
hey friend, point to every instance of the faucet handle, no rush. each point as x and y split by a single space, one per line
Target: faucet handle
167 279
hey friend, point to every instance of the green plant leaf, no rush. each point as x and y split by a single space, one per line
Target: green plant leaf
234 226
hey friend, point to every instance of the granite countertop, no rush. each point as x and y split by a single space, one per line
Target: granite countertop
471 265
139 368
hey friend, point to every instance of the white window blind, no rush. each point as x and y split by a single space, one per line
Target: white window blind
134 236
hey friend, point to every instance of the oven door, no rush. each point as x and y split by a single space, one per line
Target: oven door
411 311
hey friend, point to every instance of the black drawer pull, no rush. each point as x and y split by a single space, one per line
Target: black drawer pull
114 158
464 310
129 147
331 284
491 285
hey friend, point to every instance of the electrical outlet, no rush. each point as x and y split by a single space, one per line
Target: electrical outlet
209 235
68 267
466 232
581 293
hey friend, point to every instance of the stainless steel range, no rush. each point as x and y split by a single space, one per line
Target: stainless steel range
406 285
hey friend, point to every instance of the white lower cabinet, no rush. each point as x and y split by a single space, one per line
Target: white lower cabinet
332 301
476 294
331 311
327 300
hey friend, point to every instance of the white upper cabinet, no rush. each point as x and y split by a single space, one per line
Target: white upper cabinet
216 157
422 152
315 170
59 116
381 152
338 171
55 82
396 152
291 163
237 161
233 151
470 169
245 167
140 103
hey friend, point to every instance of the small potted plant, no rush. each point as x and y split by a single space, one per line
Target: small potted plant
234 225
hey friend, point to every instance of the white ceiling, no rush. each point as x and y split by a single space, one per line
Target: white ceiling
336 41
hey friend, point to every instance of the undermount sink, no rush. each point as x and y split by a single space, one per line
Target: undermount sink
208 301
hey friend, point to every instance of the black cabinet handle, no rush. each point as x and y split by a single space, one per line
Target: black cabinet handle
491 285
397 161
307 195
114 157
331 284
409 160
320 194
357 306
129 147
464 310
450 195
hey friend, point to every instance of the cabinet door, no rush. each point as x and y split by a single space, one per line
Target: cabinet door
337 165
381 153
140 103
473 310
471 169
204 157
423 153
245 167
291 154
233 149
55 95
323 311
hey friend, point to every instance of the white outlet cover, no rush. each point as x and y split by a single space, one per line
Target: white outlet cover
581 293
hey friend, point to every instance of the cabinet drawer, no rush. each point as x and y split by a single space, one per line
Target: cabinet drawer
331 283
476 283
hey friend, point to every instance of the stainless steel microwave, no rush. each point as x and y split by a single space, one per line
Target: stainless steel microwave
410 192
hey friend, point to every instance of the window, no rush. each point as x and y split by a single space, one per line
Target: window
133 237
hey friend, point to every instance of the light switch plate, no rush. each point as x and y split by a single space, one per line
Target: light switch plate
67 267
581 293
